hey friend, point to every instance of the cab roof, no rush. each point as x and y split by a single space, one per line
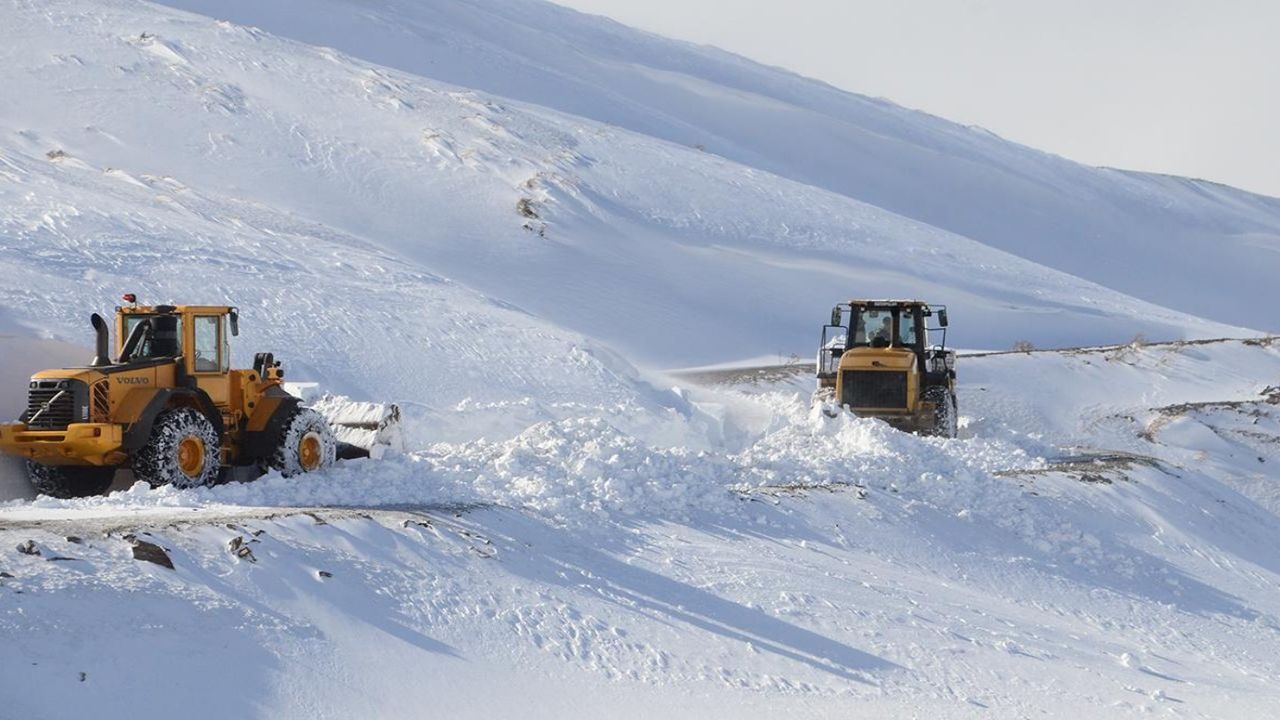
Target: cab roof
178 309
886 301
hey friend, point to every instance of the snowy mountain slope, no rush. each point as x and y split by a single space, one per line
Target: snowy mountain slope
1195 246
138 118
565 536
812 565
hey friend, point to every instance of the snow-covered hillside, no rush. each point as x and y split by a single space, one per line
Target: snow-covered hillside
810 565
1195 240
495 228
147 133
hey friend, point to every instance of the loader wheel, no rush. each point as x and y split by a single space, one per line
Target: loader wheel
69 481
306 443
944 412
183 451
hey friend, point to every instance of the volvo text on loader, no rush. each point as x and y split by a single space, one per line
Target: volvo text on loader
875 359
169 407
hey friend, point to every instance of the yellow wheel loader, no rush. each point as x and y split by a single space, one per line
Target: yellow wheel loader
875 359
169 407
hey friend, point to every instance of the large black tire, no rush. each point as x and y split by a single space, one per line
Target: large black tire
69 481
944 412
305 444
183 451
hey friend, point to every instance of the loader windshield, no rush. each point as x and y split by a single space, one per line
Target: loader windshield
885 326
162 341
873 326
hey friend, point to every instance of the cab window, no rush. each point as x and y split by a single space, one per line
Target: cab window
171 345
907 329
208 341
873 326
226 345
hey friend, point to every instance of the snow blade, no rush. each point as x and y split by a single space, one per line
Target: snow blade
363 429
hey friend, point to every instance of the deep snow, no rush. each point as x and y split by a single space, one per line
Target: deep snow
811 565
566 534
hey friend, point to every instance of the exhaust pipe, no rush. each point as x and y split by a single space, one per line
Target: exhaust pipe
100 326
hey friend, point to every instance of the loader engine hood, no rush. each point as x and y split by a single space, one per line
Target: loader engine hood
862 358
878 380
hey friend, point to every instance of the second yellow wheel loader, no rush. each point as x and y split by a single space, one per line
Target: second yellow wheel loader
875 359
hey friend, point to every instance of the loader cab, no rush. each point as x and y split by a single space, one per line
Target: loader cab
887 326
879 325
198 337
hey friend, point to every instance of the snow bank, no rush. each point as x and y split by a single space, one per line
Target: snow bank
705 451
581 471
1109 396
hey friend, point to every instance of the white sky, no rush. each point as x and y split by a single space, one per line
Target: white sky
1190 87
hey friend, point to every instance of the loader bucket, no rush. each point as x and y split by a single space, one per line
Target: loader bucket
363 429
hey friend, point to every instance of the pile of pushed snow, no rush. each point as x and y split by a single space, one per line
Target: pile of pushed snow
569 470
808 448
583 469
700 455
